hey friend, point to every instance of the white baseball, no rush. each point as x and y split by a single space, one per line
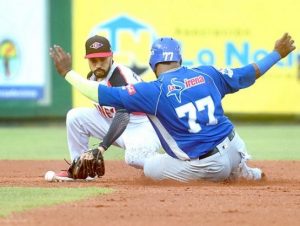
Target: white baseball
49 176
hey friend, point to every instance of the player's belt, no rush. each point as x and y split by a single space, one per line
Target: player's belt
216 150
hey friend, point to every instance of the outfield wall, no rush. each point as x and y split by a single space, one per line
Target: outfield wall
222 33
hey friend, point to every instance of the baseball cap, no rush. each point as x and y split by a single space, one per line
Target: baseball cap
97 46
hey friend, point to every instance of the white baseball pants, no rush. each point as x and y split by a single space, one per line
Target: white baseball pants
139 138
228 163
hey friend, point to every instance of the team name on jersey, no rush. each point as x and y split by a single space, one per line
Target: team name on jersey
177 87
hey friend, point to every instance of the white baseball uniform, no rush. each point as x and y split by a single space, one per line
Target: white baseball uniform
139 138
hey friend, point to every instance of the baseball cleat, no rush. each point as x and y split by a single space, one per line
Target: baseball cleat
254 174
251 173
63 176
248 173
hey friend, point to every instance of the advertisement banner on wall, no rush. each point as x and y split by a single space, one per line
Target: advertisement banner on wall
225 34
23 47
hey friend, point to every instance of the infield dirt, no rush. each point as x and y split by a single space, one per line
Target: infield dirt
140 201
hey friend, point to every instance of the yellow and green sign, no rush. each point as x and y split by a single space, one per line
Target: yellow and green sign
222 33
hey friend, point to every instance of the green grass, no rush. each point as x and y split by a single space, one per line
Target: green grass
271 142
264 142
40 143
17 199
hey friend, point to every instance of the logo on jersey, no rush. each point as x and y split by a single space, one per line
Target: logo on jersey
106 111
96 45
226 71
177 87
130 89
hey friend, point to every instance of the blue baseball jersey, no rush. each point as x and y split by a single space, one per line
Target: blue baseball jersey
184 106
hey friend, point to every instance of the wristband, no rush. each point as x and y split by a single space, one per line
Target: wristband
268 61
104 146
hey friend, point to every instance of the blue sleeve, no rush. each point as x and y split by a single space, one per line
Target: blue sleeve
231 80
109 96
140 97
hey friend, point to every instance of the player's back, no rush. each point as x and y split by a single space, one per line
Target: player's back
190 109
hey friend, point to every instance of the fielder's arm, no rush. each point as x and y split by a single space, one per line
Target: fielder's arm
116 128
63 64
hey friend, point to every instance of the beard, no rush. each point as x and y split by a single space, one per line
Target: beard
100 73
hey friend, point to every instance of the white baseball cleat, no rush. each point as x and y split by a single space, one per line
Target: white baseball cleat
248 173
252 173
90 178
63 176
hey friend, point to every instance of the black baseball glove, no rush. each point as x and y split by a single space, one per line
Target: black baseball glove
89 164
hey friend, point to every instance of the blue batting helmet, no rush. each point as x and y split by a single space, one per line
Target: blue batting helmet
165 49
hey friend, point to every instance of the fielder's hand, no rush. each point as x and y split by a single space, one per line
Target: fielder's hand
61 59
284 45
89 164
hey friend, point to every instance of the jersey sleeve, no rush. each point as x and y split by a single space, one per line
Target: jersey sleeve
140 97
231 80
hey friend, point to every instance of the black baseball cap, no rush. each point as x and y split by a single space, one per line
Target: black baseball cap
97 46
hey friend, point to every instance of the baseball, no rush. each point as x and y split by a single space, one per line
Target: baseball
49 176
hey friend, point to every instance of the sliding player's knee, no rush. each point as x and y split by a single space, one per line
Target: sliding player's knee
136 155
133 160
153 169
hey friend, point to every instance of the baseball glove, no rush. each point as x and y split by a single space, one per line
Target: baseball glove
89 164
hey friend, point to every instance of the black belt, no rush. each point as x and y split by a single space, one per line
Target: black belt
216 150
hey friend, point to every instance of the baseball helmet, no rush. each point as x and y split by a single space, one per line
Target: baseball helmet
165 49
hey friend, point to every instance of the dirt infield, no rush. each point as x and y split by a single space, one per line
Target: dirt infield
139 201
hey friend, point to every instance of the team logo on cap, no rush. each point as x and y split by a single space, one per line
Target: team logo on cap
96 45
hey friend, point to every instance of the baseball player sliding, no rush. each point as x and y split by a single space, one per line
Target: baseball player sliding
132 132
185 108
